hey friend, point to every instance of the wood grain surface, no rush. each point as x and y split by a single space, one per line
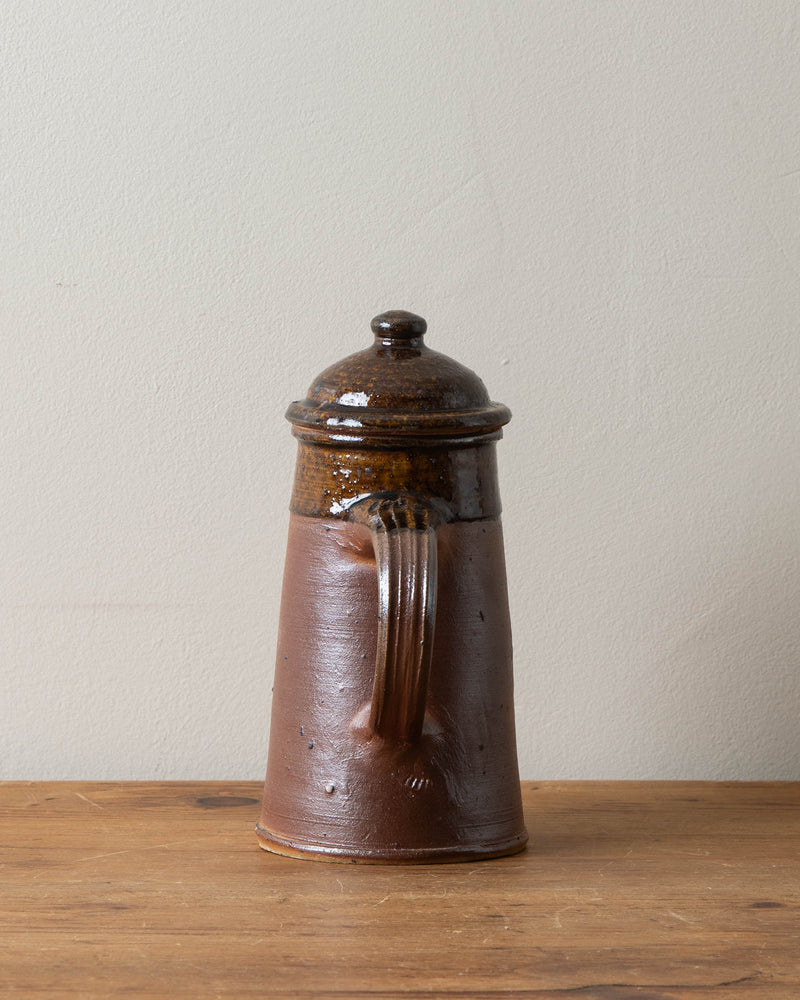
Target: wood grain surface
628 891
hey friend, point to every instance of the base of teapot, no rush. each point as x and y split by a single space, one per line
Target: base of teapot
275 844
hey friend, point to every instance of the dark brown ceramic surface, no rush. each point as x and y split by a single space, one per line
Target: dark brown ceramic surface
332 787
392 732
397 389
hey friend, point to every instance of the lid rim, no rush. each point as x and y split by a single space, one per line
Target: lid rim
343 419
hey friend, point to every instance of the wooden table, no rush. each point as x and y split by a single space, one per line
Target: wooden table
652 891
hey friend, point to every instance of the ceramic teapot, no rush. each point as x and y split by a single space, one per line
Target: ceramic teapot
392 734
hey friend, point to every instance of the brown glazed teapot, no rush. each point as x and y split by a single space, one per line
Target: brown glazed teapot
392 735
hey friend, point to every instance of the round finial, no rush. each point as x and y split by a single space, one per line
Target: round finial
399 327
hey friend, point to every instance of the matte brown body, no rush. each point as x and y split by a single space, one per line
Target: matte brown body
333 790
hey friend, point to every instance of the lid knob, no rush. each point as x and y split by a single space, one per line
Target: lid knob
399 328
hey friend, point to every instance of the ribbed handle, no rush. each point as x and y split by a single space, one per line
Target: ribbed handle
404 538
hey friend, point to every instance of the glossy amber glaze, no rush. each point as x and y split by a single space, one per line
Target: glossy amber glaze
392 732
329 479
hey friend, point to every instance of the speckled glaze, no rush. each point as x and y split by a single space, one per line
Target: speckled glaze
392 736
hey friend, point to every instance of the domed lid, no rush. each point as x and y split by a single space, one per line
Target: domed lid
395 388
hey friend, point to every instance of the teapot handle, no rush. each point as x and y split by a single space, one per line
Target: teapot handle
403 531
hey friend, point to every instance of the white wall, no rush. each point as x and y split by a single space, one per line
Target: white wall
595 205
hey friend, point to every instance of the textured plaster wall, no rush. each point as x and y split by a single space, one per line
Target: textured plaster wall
595 204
